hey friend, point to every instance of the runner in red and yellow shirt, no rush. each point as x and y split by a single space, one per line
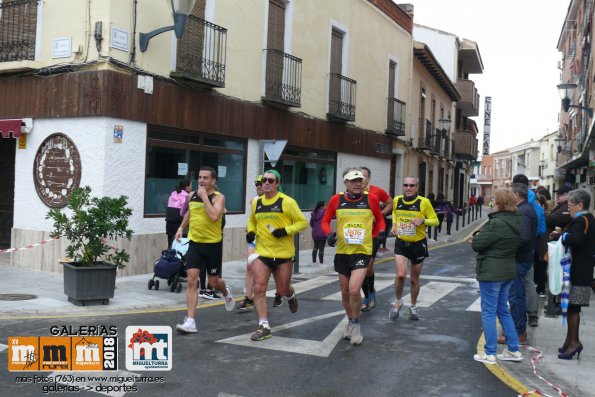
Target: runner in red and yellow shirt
358 220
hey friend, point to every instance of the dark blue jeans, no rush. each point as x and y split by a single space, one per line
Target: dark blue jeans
517 299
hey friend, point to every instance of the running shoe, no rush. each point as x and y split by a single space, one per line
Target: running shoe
393 313
230 304
278 300
247 304
348 330
208 294
365 305
189 326
262 333
485 358
356 334
293 303
372 300
413 315
510 356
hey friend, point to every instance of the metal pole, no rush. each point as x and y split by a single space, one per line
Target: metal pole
464 213
457 214
296 257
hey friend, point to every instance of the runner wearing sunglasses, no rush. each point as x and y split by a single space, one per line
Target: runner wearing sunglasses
411 215
274 219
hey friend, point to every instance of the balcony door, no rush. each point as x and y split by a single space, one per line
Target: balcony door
275 47
190 52
336 68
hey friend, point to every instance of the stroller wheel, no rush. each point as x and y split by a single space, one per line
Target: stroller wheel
179 288
169 281
156 284
151 283
173 287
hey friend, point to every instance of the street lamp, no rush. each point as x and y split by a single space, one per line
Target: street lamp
181 9
445 124
561 139
566 91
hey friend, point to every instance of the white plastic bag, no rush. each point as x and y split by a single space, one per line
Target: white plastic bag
555 252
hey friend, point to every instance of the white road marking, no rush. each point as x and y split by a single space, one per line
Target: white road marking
379 284
295 345
475 306
307 285
3 347
431 293
227 395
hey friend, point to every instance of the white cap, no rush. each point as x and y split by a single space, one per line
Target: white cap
351 175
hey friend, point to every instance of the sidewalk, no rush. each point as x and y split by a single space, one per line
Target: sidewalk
132 294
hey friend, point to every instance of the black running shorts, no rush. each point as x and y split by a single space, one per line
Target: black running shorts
346 263
416 252
272 263
205 256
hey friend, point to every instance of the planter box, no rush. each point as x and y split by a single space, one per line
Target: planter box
89 285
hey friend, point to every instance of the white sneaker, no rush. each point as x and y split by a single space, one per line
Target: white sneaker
393 313
188 327
348 330
510 356
230 304
356 334
485 358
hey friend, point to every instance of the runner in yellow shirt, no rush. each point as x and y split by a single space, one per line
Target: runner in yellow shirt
274 219
411 215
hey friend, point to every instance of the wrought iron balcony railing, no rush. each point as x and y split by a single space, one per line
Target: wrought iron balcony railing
447 147
425 141
18 24
201 53
437 139
283 78
395 125
341 98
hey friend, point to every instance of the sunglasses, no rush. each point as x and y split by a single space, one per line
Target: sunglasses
409 185
257 183
269 180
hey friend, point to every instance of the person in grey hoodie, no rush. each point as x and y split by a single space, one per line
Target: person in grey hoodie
496 246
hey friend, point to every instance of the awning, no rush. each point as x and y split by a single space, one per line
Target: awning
9 126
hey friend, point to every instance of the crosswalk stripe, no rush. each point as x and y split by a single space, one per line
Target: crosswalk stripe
379 285
431 293
307 285
475 306
3 347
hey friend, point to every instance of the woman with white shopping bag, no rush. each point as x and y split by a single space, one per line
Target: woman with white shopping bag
579 237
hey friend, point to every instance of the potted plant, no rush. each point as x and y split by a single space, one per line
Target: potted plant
90 271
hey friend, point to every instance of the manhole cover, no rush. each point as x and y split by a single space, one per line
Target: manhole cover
17 297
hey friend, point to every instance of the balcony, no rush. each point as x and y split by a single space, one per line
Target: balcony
201 54
466 144
341 98
436 142
18 24
395 125
425 141
447 147
485 179
469 103
283 79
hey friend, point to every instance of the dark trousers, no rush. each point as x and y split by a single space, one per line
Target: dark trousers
318 248
540 276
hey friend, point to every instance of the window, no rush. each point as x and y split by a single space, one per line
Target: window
170 152
307 176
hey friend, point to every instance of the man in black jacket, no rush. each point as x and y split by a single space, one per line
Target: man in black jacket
523 258
559 216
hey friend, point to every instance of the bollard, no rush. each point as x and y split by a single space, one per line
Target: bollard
457 221
469 209
463 225
480 207
296 257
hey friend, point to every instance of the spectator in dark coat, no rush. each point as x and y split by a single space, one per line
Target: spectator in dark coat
580 237
523 258
317 233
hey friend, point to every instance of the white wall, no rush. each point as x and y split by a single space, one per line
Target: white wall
442 45
380 169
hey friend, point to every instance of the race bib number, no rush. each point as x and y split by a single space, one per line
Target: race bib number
406 229
354 233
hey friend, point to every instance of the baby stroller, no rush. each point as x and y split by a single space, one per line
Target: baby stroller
171 266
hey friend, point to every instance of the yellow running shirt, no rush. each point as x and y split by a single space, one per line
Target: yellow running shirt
405 211
202 228
281 211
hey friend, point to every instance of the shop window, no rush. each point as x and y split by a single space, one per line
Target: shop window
173 155
307 176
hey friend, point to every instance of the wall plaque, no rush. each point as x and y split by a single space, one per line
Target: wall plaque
56 170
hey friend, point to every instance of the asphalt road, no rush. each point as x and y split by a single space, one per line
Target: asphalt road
307 356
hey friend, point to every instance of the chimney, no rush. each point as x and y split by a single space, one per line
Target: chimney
408 8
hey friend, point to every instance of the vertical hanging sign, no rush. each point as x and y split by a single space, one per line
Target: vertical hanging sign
487 122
